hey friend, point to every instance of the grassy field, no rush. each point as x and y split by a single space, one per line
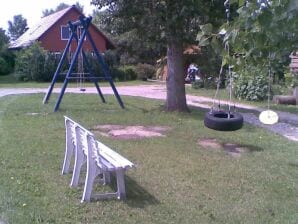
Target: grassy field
176 179
9 81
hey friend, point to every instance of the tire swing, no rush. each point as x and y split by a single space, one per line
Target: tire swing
221 120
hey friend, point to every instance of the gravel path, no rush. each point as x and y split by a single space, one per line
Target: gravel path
287 125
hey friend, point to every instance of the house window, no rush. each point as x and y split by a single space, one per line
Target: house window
65 33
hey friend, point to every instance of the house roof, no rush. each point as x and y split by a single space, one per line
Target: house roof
45 23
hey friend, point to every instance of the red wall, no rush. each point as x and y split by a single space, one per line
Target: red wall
51 39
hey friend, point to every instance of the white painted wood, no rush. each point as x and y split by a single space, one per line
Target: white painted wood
69 144
101 160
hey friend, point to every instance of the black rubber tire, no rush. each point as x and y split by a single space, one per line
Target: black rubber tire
218 120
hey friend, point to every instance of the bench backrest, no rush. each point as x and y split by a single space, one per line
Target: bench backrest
94 150
70 130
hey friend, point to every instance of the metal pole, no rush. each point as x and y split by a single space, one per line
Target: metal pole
91 72
56 74
107 74
73 28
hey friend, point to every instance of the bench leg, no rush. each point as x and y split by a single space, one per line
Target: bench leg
106 178
120 185
90 177
79 161
67 157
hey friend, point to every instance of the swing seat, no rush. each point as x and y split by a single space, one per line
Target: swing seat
220 120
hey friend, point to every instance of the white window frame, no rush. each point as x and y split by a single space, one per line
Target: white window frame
61 32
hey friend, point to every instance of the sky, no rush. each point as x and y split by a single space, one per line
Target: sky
32 9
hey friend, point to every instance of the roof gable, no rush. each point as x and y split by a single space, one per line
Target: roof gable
36 31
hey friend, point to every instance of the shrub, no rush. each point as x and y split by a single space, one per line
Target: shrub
130 72
124 73
145 71
4 67
111 58
6 62
251 88
30 63
197 84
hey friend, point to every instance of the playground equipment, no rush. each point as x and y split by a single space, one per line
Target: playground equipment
79 33
219 119
269 116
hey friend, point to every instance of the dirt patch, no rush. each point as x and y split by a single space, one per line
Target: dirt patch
231 149
131 132
210 143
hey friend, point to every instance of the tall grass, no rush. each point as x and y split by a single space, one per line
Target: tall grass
176 179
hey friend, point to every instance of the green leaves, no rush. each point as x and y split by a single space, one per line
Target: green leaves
206 29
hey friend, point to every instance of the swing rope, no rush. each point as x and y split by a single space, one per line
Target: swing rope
227 48
269 85
81 73
268 116
221 120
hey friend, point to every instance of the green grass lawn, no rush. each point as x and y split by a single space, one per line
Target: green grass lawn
9 81
176 179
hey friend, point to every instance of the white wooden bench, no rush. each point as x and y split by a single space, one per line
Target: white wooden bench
100 159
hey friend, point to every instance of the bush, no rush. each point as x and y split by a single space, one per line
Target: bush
197 84
130 72
4 67
111 58
124 73
30 63
251 88
145 71
6 62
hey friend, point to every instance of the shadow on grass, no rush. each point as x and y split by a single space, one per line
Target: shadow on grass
230 147
137 196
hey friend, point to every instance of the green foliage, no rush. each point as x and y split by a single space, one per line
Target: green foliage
163 27
6 56
144 71
294 82
60 7
111 58
129 71
17 27
125 73
142 29
262 35
197 84
5 68
35 64
252 85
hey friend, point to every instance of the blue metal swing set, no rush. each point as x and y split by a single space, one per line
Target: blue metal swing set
83 23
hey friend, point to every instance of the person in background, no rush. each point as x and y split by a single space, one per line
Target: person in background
192 72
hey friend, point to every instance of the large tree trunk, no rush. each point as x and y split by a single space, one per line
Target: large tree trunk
176 99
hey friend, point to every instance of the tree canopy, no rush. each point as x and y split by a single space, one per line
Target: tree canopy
169 23
17 27
6 57
61 6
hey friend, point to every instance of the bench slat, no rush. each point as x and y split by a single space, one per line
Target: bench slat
115 158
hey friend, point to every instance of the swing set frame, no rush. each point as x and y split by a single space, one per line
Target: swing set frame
83 23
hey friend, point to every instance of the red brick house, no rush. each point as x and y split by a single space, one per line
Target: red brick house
53 33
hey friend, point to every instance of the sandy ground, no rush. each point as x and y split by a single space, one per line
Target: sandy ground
287 125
